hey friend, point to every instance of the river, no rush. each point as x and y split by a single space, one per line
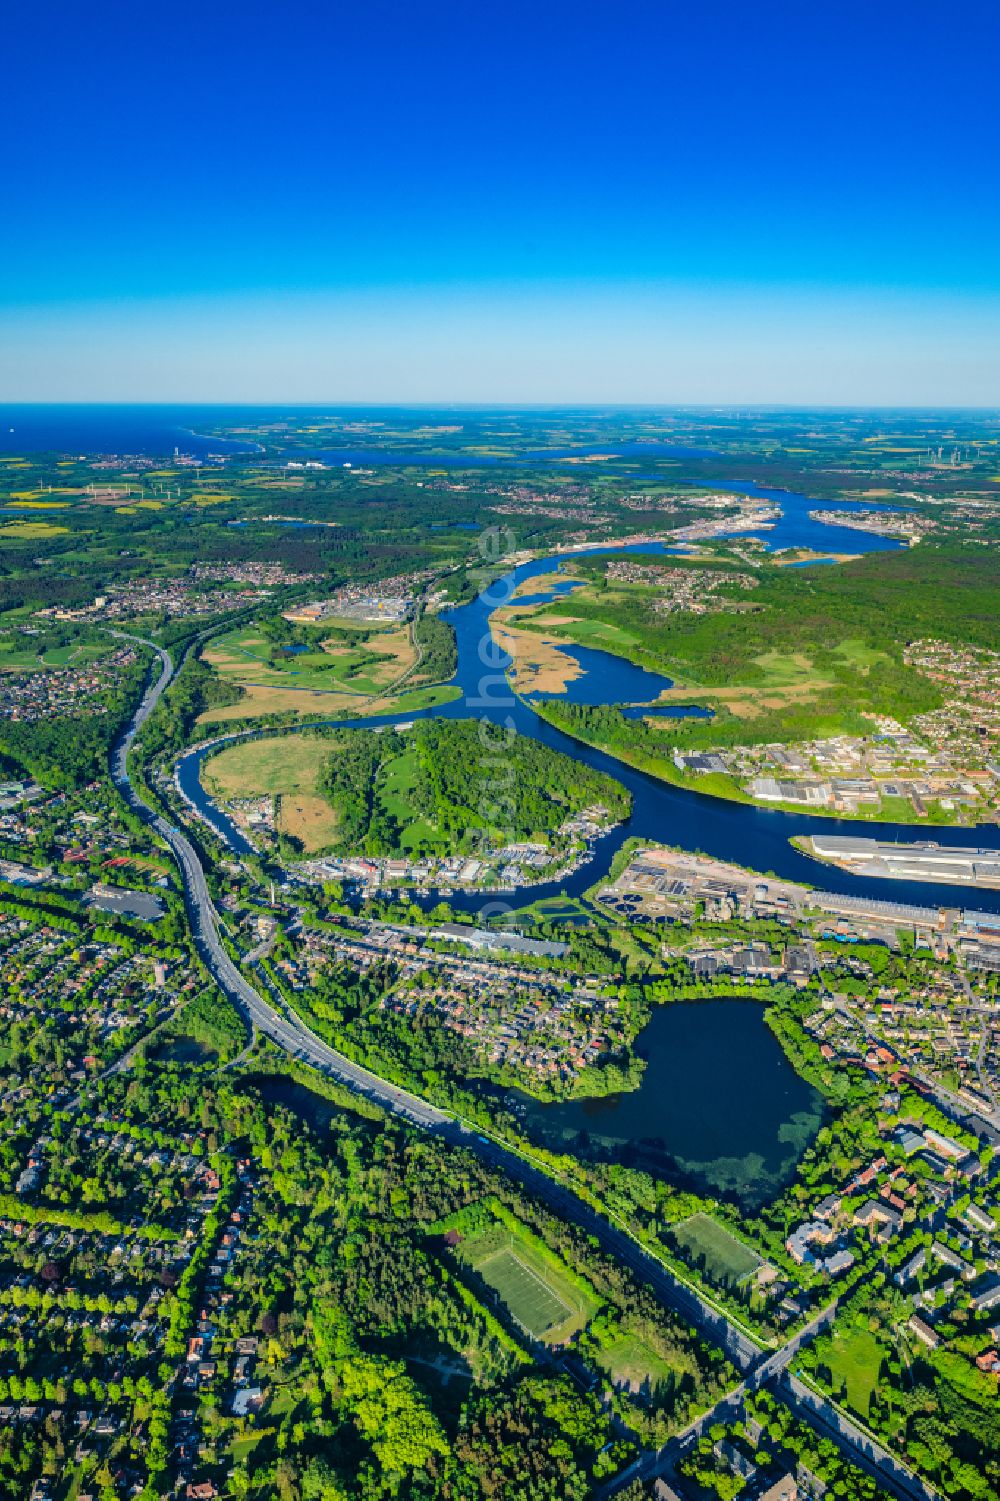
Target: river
757 838
719 1109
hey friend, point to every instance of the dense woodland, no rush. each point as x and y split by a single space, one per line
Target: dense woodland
435 639
473 785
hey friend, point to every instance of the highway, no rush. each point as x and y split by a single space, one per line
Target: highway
291 1035
861 1448
288 1032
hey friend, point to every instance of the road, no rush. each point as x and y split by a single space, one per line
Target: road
291 1034
861 1448
653 1462
892 1477
288 1032
981 1123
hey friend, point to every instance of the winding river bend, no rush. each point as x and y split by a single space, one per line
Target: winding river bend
616 1237
738 832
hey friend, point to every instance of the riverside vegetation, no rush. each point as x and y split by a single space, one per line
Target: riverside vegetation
218 1271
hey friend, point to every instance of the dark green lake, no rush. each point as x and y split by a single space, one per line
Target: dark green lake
720 1109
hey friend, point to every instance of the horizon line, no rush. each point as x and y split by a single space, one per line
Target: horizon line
513 406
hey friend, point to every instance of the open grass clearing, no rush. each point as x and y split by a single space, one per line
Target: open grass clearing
397 646
261 699
310 819
17 658
727 1261
635 1365
786 668
79 654
288 767
279 765
396 788
854 1356
745 702
857 654
398 781
416 698
597 633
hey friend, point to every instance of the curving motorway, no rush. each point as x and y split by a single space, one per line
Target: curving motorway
291 1034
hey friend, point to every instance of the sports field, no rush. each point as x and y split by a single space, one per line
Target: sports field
534 1286
727 1260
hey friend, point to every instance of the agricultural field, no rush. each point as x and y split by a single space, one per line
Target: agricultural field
326 663
28 530
727 1261
540 1293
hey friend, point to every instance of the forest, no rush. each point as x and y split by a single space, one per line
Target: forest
455 783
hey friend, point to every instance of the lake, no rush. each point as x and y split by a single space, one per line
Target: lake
720 1108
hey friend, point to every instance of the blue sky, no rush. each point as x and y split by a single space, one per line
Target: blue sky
649 202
